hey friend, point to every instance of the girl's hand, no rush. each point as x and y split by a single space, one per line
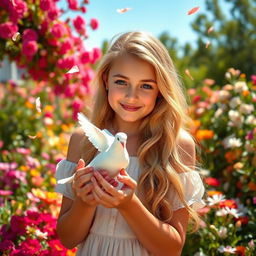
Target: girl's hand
110 197
82 184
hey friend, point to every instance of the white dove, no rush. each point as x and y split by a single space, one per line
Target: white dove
113 154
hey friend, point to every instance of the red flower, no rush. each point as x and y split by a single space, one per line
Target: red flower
85 57
45 5
240 250
79 24
18 224
253 77
72 4
17 10
29 35
212 181
228 203
66 46
94 24
7 30
58 30
243 220
6 245
29 48
96 54
66 63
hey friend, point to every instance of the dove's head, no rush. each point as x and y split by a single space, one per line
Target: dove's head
121 137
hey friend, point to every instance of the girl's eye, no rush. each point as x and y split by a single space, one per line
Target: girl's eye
120 82
147 86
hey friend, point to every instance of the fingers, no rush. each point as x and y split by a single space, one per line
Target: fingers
126 179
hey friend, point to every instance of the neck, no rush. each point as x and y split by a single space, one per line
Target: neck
130 128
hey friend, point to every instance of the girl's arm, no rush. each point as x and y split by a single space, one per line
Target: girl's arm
76 216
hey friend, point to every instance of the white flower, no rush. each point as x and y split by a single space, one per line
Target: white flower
226 210
227 249
223 95
233 211
232 142
234 102
236 118
250 120
222 232
240 86
215 199
41 234
218 113
246 108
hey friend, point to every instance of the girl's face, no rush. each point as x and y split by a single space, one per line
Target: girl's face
132 88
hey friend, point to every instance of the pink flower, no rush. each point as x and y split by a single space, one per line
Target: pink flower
72 4
253 77
29 48
85 57
5 192
42 63
70 90
18 224
6 245
96 54
212 181
17 10
94 23
83 9
53 13
58 30
79 24
7 30
29 35
66 63
66 46
24 151
30 246
45 5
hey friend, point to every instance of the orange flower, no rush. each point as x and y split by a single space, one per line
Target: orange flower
245 93
204 134
214 192
231 156
243 75
240 250
252 186
228 203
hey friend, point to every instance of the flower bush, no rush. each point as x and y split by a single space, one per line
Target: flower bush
33 35
225 129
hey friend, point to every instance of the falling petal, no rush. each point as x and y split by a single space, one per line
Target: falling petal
32 136
210 29
193 10
74 69
207 44
38 105
123 10
187 72
16 36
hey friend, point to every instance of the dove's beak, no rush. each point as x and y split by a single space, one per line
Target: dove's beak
122 144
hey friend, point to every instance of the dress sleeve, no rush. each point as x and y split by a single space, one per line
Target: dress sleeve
65 169
193 191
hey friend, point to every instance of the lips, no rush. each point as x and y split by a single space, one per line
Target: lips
130 108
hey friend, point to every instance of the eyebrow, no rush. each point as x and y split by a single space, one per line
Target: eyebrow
127 78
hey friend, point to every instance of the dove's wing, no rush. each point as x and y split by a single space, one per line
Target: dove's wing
94 134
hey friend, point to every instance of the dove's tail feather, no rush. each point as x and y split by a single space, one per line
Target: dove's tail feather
66 180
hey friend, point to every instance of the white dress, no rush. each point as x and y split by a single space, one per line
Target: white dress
110 235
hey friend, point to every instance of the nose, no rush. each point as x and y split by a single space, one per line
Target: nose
131 92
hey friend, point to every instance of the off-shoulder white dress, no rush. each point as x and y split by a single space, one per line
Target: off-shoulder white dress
110 235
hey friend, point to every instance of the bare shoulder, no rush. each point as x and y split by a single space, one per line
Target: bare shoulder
75 145
186 148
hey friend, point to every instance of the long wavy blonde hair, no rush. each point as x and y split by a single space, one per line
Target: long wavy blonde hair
160 165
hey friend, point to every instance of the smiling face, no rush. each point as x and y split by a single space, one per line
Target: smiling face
132 88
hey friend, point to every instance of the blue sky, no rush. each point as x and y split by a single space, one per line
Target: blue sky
154 16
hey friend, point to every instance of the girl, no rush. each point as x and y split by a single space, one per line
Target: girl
139 93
